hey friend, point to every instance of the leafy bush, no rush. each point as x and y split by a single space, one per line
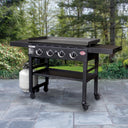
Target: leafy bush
122 55
113 71
11 61
54 62
125 63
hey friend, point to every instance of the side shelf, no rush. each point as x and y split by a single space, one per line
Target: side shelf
20 43
104 49
64 74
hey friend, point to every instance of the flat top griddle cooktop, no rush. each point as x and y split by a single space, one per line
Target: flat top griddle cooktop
64 41
90 43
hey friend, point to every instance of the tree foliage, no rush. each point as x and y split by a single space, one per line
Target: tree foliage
104 19
11 17
95 17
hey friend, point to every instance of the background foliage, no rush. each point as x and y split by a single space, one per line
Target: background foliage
11 61
106 19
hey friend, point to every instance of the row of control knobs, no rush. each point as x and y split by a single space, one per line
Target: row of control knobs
60 54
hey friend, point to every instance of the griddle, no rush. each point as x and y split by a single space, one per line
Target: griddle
42 49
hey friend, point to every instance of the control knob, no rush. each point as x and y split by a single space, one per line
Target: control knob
50 53
61 54
39 52
73 55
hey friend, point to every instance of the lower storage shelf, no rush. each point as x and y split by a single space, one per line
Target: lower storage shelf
65 74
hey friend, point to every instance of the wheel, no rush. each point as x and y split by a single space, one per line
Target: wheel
97 96
32 95
45 89
37 90
85 106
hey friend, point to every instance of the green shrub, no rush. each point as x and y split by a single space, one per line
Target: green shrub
125 63
55 62
11 61
113 71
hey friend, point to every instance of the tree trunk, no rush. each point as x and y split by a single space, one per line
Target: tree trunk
78 17
95 30
112 21
112 25
45 18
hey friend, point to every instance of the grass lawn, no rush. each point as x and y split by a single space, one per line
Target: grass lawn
71 68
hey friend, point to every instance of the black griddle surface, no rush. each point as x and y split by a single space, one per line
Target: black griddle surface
90 44
64 41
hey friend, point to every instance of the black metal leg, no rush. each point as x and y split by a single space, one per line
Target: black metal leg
96 94
46 78
84 96
46 84
84 85
32 92
37 88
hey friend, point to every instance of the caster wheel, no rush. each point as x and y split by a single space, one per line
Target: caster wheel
32 96
37 90
85 107
97 96
45 89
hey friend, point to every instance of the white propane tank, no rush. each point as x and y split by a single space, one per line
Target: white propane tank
24 80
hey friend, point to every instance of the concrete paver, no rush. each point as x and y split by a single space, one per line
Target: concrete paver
4 106
61 106
88 126
25 112
2 114
118 110
114 99
7 97
114 126
55 120
119 120
3 124
21 124
92 118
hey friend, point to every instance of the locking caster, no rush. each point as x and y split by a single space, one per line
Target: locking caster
97 96
32 96
85 106
45 89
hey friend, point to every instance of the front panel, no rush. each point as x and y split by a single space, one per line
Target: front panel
57 52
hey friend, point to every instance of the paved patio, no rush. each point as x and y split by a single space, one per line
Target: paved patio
61 106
